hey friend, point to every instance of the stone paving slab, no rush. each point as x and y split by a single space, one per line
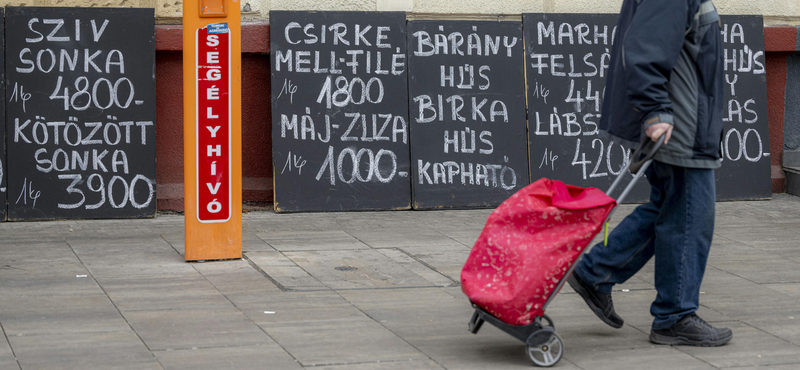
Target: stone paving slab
784 325
414 313
287 306
171 293
490 349
37 255
70 279
791 289
333 342
398 237
465 237
387 365
119 350
311 240
298 307
175 239
8 362
37 315
187 329
236 280
7 358
447 260
761 269
646 357
356 269
284 272
430 273
257 357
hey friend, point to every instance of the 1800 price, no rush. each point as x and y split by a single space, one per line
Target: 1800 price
102 93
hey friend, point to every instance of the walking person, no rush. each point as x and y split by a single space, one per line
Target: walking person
666 77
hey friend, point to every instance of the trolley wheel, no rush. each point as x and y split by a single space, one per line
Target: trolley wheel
547 354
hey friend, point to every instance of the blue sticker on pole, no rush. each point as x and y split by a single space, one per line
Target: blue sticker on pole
218 28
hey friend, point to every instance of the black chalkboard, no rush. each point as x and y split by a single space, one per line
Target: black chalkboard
567 57
339 111
745 171
3 174
80 118
467 112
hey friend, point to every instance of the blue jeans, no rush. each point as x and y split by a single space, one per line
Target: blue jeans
676 227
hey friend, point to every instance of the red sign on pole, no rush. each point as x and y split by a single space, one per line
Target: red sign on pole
213 123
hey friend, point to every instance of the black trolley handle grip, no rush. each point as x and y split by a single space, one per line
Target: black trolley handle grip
637 165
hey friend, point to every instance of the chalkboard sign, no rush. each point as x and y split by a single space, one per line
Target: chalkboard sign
339 111
467 112
745 171
567 61
80 118
3 175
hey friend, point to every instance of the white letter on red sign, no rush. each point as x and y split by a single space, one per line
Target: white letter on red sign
212 93
210 114
212 40
213 130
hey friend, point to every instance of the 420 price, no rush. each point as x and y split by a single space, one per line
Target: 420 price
102 93
602 152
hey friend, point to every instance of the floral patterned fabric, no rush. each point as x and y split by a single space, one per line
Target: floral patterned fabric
528 244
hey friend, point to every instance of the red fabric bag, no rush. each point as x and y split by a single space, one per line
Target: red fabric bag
528 244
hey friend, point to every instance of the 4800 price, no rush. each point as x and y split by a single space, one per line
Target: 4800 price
101 94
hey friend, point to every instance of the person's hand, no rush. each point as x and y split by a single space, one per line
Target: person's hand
655 131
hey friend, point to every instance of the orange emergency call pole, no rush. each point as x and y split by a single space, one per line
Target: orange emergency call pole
212 129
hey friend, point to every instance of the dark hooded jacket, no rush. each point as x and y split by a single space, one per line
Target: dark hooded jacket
667 66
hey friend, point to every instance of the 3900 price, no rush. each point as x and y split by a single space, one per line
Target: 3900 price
117 192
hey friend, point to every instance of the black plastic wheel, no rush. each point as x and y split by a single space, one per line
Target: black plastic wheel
547 354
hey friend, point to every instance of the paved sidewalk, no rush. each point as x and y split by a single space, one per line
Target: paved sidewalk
361 290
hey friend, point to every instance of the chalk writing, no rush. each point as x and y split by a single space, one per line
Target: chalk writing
744 144
348 75
568 58
81 113
294 162
288 88
567 61
28 192
467 113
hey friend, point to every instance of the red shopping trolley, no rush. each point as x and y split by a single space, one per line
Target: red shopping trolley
528 249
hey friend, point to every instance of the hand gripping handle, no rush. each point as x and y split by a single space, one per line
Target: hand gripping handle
637 164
